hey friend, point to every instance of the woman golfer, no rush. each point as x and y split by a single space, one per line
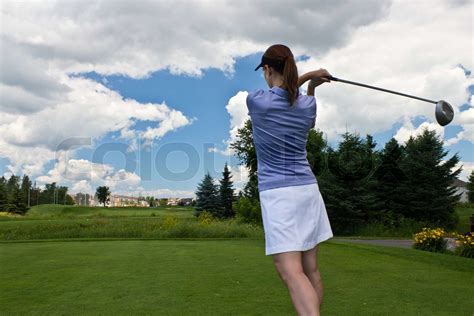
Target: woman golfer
294 215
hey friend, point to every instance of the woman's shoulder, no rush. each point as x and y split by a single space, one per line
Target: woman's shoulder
256 93
255 96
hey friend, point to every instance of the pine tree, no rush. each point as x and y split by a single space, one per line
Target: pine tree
470 188
14 197
3 193
428 192
391 178
207 197
226 193
348 185
25 190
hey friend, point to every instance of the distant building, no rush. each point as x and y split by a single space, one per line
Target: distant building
85 199
123 201
179 201
173 201
185 201
461 187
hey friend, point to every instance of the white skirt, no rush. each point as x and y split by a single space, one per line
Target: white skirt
294 218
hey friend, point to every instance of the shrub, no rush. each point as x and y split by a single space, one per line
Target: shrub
465 246
170 222
430 240
248 211
206 218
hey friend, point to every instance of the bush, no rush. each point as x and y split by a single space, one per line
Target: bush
248 211
170 222
430 240
466 246
206 218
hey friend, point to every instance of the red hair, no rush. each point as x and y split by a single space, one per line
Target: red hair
285 65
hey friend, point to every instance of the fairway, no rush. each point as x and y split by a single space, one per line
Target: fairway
223 277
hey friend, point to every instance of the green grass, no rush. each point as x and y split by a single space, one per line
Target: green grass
59 221
223 277
464 212
51 211
128 227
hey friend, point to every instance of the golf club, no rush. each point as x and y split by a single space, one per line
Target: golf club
444 111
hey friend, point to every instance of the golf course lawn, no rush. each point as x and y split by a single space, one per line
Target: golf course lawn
223 277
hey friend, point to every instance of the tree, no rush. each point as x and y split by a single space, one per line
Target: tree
25 190
103 194
14 201
3 193
316 148
470 188
246 152
348 185
207 197
226 193
391 179
427 191
70 200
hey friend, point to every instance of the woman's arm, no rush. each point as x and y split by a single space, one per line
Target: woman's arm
316 77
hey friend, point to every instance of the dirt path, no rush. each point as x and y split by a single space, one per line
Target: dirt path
400 243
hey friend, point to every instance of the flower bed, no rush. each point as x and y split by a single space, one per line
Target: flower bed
438 240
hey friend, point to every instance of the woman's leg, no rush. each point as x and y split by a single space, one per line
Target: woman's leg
303 295
310 268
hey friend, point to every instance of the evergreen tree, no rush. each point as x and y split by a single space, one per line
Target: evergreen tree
391 179
3 193
25 190
207 197
470 188
428 194
226 193
348 185
103 194
15 202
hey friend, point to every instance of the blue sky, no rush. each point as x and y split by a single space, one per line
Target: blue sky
179 82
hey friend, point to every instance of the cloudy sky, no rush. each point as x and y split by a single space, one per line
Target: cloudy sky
145 96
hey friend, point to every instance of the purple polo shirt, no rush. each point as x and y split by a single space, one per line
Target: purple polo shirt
280 132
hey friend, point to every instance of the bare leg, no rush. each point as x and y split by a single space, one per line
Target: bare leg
310 268
303 295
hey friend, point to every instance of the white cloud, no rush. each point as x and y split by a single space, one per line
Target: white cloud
84 176
407 130
406 51
466 120
467 168
237 109
43 43
184 36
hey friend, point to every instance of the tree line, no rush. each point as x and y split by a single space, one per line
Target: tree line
17 194
362 185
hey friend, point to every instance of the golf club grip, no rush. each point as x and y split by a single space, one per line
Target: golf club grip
380 89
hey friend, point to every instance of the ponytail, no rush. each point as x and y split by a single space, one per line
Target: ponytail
290 78
281 59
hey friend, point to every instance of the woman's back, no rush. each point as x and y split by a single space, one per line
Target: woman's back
280 133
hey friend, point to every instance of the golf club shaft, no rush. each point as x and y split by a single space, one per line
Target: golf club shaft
380 89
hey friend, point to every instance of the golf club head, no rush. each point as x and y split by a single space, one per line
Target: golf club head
444 112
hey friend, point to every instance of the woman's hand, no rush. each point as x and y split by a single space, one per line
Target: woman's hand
316 78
